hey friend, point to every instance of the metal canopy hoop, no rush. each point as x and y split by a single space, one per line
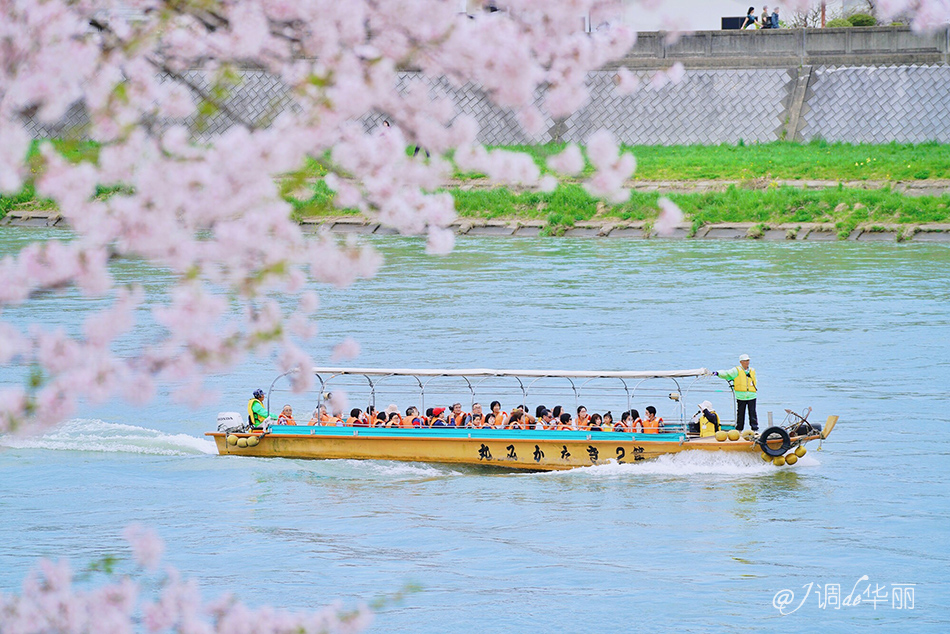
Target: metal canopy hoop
482 372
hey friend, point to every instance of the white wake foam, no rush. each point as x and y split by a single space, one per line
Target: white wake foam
690 463
100 436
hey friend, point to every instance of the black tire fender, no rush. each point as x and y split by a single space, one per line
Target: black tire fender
775 431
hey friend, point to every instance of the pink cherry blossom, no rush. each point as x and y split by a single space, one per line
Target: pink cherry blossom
349 348
669 218
147 547
570 161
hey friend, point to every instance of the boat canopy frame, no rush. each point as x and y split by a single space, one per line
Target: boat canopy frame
578 380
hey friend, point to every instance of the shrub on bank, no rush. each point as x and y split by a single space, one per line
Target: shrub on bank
838 23
862 19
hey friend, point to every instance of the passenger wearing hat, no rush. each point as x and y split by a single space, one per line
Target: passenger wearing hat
256 414
438 418
708 420
742 380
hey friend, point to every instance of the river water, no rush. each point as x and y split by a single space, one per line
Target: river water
683 544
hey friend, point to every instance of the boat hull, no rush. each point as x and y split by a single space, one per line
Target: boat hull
510 449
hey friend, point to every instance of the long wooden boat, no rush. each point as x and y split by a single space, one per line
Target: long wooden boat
528 448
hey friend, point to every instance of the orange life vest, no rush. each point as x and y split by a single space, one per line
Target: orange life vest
583 423
286 420
460 419
652 426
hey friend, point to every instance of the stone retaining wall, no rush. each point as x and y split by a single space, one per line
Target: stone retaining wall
812 232
850 85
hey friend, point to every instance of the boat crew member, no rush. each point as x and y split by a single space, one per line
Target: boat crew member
708 420
651 424
742 379
256 414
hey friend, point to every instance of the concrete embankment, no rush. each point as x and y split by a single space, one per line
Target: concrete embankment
598 228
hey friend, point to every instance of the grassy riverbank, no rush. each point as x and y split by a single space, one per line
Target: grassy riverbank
779 160
756 199
846 208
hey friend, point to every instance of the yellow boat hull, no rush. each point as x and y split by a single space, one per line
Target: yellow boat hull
539 451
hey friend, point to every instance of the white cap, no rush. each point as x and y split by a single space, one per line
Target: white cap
744 357
705 405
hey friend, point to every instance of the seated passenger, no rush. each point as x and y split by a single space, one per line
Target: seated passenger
286 416
636 423
320 417
595 423
355 418
565 423
380 420
545 420
516 420
556 412
394 420
624 424
438 418
458 418
583 420
412 418
476 421
651 425
527 419
608 422
501 418
369 415
489 422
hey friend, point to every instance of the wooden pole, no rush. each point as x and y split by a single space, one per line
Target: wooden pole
823 14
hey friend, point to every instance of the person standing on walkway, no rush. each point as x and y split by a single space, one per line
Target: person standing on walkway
750 20
742 379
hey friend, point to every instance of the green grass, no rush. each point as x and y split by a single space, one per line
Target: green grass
847 208
779 160
569 203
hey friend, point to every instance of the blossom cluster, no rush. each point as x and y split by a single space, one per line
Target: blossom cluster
211 212
51 601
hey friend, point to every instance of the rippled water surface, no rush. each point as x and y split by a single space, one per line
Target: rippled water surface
682 544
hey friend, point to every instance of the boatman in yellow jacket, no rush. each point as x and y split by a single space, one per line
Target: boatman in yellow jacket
256 414
742 378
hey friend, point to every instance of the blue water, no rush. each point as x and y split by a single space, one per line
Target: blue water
681 544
